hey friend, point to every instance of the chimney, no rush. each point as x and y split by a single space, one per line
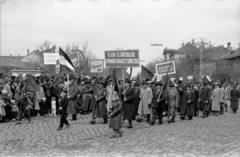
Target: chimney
27 51
229 46
10 54
193 42
18 54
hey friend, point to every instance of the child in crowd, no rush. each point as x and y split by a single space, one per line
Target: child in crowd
43 107
14 110
53 104
2 108
116 115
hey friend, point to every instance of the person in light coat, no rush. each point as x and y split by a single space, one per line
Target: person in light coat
216 98
146 96
72 98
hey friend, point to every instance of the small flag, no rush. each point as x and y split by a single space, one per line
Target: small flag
66 65
32 85
146 74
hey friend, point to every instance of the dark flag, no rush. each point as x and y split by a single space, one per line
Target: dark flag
106 81
146 74
32 85
114 81
66 65
205 79
138 79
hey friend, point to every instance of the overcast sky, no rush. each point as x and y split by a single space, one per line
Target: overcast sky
108 25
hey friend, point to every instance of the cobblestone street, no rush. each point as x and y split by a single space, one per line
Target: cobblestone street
216 136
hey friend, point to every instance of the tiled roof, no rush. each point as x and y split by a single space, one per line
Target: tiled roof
16 63
231 54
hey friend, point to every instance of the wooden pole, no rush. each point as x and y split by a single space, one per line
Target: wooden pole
68 84
124 90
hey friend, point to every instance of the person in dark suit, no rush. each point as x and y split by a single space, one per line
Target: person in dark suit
136 99
196 93
128 103
204 100
158 103
188 103
63 109
234 97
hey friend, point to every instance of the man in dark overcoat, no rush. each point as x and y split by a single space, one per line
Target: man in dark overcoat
187 108
128 103
204 100
136 99
72 97
158 103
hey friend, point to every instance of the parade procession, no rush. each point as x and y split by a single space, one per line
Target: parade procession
119 78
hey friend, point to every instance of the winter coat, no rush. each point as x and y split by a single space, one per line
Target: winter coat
136 101
145 102
115 120
216 99
128 104
72 103
188 107
234 104
101 103
204 99
162 99
2 108
172 102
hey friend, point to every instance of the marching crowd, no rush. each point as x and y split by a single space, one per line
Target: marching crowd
59 96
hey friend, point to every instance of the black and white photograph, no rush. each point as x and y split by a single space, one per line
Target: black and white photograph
119 78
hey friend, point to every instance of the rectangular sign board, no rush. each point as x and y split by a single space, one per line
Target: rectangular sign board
162 68
50 58
122 58
74 58
96 66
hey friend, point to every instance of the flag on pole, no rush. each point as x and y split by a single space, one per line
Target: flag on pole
114 81
66 65
32 85
146 74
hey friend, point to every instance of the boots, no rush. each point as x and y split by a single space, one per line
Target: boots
105 121
148 118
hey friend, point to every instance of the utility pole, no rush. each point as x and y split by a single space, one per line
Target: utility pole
202 46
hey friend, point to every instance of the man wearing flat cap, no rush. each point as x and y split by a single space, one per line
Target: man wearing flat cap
204 99
72 97
216 98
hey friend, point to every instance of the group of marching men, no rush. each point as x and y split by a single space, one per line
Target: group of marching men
129 101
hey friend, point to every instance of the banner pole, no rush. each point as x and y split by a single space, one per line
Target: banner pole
124 90
68 84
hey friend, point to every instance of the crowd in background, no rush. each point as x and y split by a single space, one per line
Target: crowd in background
132 100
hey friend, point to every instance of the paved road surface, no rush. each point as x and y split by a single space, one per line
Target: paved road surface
216 136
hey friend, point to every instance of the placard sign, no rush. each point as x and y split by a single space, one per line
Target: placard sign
190 77
50 58
122 58
96 66
162 68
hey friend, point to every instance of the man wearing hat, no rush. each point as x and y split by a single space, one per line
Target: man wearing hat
188 103
145 102
85 95
216 99
101 108
172 97
158 102
128 103
24 107
136 99
72 97
204 99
